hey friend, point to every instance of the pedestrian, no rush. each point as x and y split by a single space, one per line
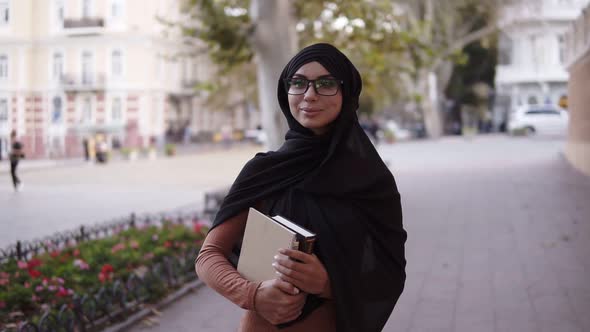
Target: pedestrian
85 144
16 154
328 178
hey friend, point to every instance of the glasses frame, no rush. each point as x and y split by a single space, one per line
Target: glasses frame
287 85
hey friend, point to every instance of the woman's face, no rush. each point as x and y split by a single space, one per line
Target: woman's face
311 110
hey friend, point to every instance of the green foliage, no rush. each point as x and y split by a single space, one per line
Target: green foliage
224 25
391 42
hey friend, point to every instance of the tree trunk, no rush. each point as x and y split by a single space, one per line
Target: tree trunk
427 88
273 43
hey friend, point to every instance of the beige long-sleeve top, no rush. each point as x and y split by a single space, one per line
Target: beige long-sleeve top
216 271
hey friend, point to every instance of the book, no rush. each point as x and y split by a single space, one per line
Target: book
263 237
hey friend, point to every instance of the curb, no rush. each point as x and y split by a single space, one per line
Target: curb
133 319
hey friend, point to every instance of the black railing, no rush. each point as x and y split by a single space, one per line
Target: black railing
85 22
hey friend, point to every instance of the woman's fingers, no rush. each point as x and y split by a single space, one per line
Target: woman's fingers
297 255
286 286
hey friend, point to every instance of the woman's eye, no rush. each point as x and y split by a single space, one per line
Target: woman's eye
298 83
326 83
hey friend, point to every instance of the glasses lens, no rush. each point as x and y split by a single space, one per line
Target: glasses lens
326 87
297 86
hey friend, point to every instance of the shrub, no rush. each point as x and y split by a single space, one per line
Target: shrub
54 278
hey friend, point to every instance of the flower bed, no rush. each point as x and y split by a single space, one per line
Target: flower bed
72 286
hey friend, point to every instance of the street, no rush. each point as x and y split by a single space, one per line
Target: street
498 229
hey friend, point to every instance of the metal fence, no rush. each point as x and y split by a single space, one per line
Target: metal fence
93 311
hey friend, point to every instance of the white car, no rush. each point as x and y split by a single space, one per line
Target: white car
539 119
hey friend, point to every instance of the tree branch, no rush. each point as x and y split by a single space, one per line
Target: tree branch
464 41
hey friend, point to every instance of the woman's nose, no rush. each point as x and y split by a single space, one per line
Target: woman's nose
310 93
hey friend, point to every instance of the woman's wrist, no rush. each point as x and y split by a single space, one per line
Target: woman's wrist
253 308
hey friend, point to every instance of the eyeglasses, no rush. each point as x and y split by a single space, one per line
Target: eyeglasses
322 86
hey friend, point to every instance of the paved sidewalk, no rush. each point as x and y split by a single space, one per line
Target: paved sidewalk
498 241
27 165
60 198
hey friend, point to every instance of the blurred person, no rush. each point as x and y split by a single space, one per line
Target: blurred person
328 178
101 149
16 154
85 147
226 135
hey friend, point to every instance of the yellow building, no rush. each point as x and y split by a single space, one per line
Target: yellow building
71 69
578 144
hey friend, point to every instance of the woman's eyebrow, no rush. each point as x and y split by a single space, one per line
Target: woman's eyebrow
321 76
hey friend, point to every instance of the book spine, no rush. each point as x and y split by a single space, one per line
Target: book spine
306 245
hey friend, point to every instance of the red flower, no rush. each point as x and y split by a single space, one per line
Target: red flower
54 253
34 273
106 273
33 263
2 304
107 268
76 252
62 292
167 244
197 227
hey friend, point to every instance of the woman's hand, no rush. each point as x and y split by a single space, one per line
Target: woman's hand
278 301
303 271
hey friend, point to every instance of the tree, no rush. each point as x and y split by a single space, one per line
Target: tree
447 26
404 48
236 34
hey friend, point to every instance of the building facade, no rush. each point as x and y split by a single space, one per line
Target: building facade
577 148
72 69
532 54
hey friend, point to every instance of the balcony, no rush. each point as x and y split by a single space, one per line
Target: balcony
518 74
83 82
84 26
541 11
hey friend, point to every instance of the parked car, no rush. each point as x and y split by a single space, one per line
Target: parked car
538 119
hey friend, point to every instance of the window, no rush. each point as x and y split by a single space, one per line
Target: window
562 46
58 63
4 12
59 11
505 48
86 116
87 68
116 110
3 67
57 110
543 111
117 63
533 100
116 9
3 111
86 8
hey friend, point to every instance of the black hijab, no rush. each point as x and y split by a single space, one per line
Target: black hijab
336 185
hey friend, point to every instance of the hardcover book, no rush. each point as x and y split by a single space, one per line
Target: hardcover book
263 238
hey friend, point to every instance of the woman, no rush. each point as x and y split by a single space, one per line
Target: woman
327 177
